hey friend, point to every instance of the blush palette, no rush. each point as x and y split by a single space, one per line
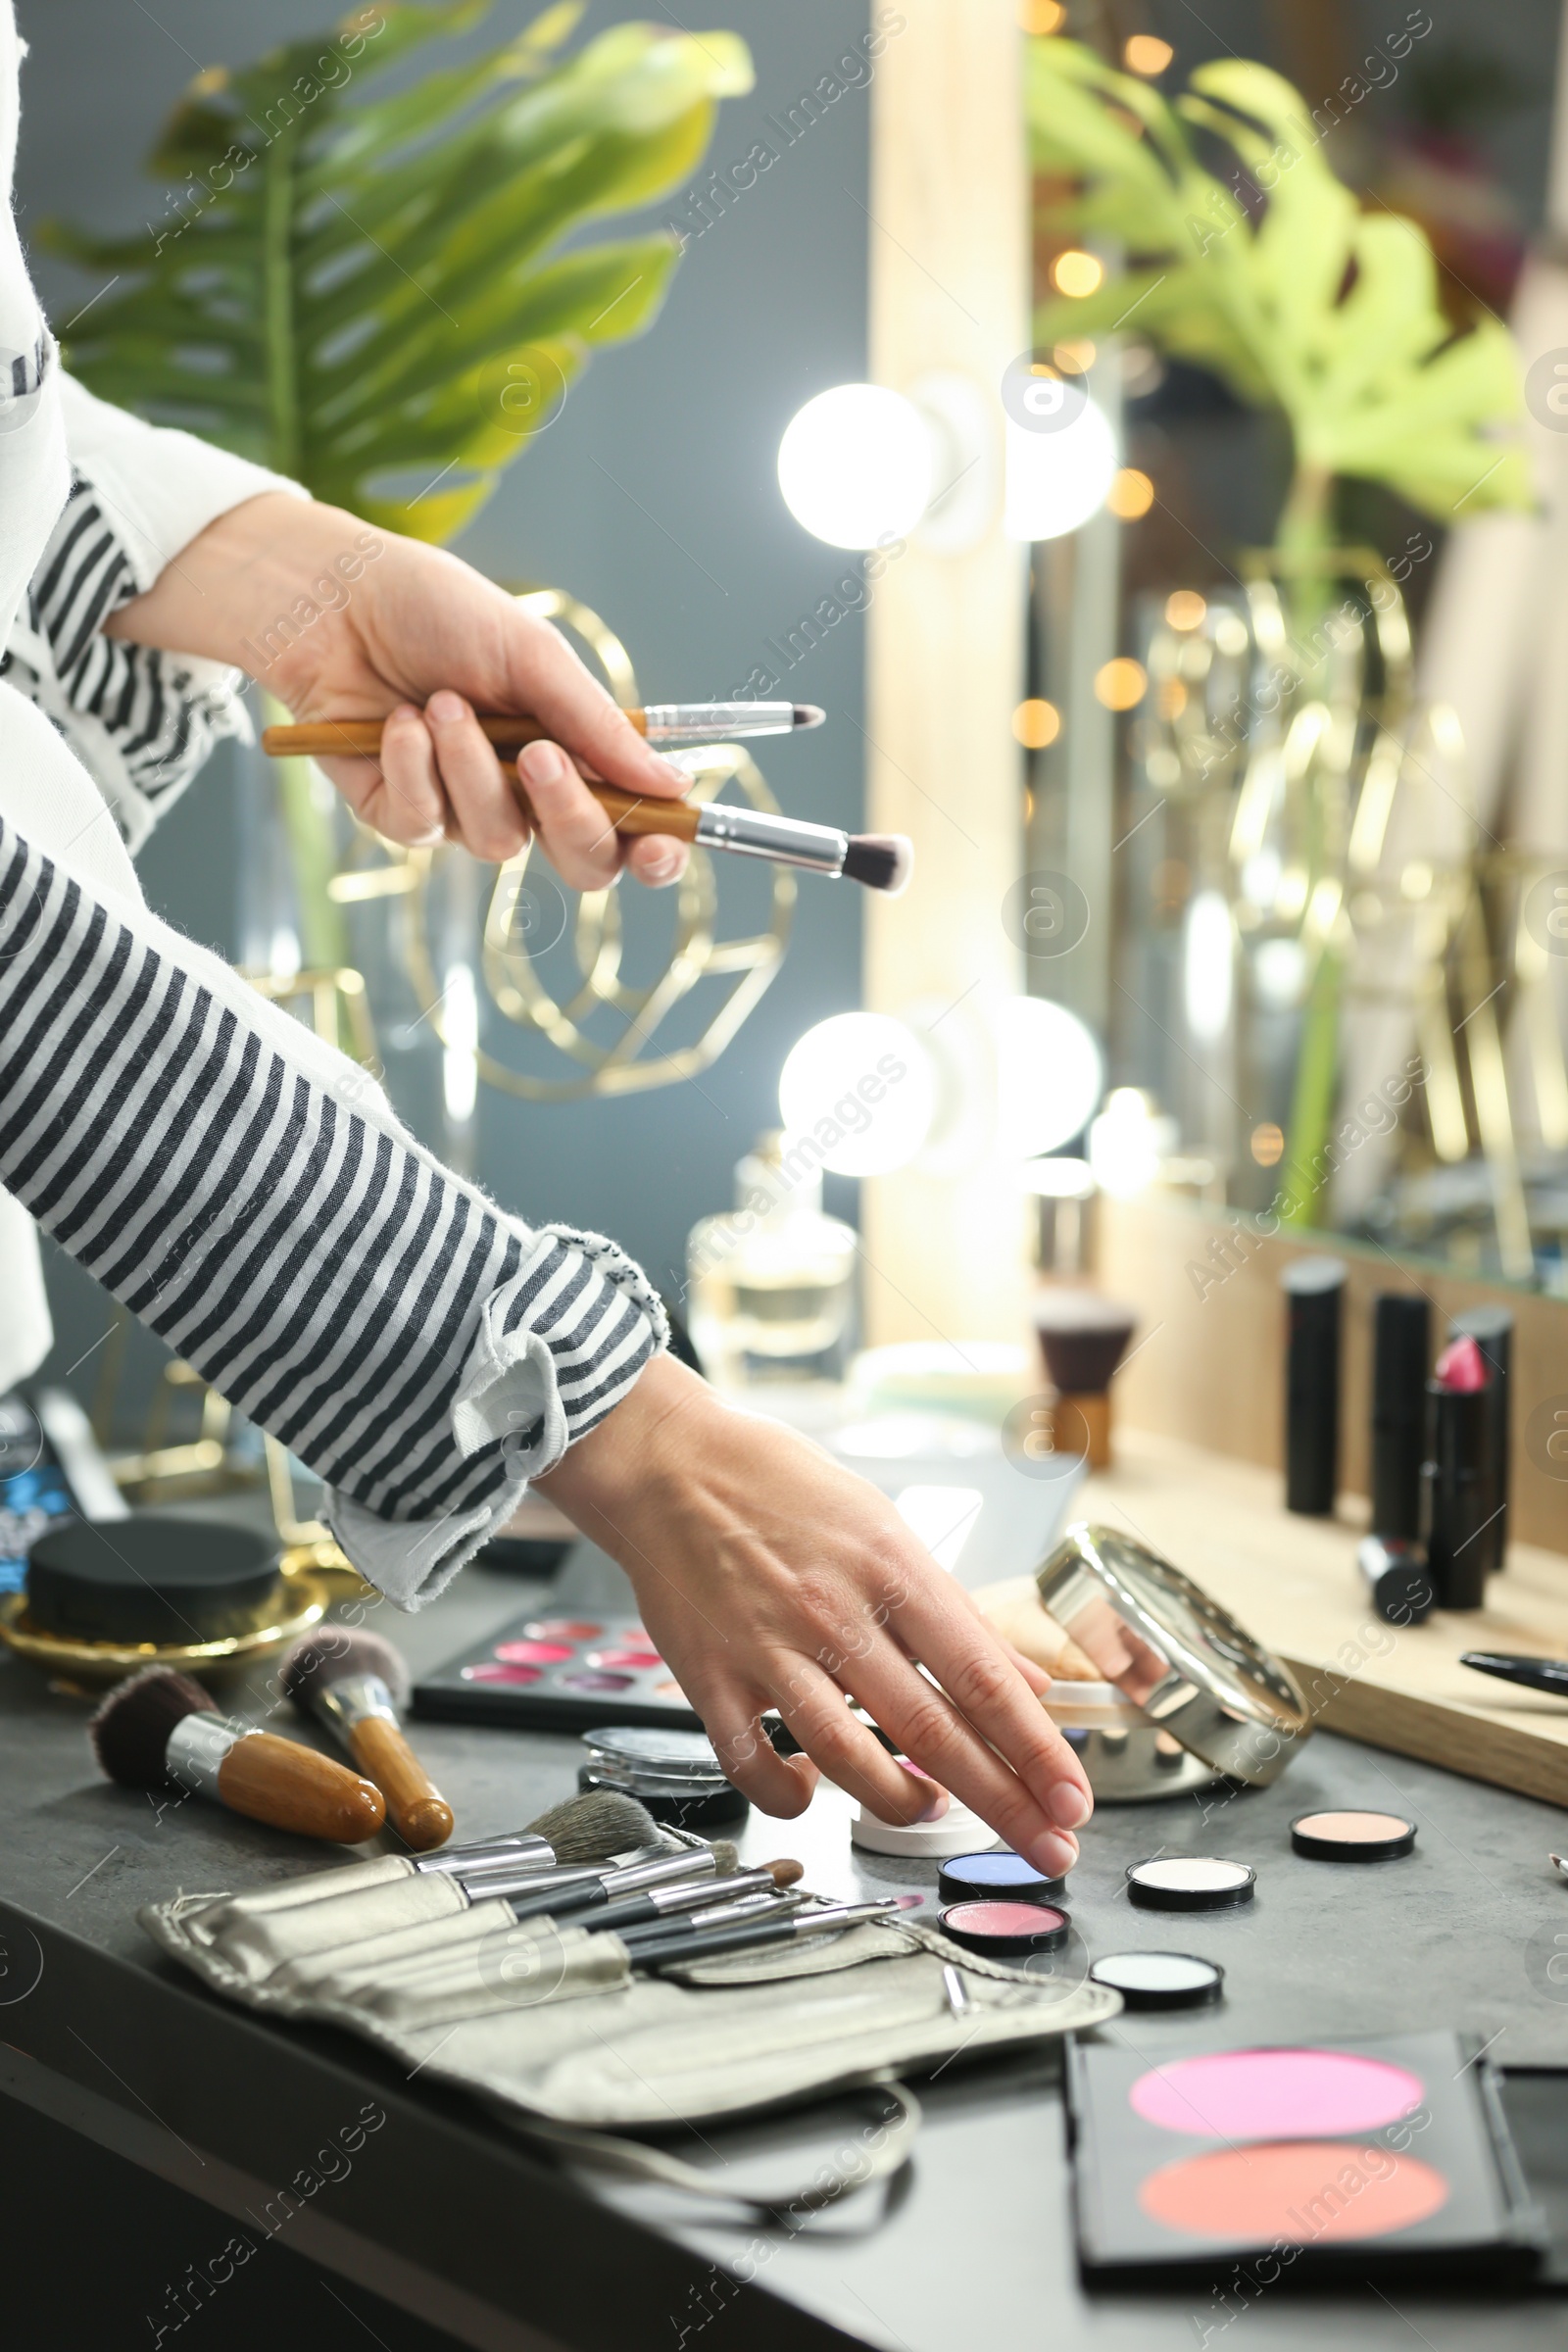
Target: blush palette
1353 2158
555 1671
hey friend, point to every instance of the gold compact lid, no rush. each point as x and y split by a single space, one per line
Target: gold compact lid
1182 1659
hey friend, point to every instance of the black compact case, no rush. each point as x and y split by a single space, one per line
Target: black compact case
1131 2173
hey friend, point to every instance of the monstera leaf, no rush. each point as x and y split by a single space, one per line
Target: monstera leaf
374 295
1280 284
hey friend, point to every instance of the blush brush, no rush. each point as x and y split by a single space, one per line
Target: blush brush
161 1730
356 1684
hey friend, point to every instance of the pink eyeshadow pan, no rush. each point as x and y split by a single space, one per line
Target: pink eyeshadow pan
493 1671
564 1628
1275 2095
638 1660
533 1653
1294 2192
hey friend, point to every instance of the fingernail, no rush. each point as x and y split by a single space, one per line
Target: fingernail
1068 1806
665 867
445 708
541 763
1051 1853
938 1801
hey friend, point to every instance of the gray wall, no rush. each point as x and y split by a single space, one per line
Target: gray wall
692 559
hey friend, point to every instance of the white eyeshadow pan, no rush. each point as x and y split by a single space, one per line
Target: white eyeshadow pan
1190 1883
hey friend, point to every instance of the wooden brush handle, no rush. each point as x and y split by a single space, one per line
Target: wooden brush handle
290 1786
360 738
419 1813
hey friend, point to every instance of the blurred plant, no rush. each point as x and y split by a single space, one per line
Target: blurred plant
374 297
354 293
1277 281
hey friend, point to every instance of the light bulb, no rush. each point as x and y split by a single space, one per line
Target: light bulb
1060 475
857 466
1049 1076
1128 1141
859 1092
1206 974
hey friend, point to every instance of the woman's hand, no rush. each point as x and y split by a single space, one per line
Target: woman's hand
769 1576
342 621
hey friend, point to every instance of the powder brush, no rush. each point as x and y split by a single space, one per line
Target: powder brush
881 861
159 1729
357 1684
594 1826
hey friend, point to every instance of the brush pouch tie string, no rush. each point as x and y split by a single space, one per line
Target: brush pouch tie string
549 2027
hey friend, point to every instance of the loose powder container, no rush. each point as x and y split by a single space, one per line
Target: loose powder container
676 1773
1004 1875
1344 1836
1161 1979
1006 1931
153 1578
1190 1883
956 1832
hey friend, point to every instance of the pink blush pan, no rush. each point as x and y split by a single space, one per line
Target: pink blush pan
1275 2095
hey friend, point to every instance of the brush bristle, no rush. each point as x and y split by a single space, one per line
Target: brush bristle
598 1824
808 714
786 1872
130 1732
883 861
1083 1337
326 1656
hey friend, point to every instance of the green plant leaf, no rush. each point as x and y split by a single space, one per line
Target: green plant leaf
1279 283
339 283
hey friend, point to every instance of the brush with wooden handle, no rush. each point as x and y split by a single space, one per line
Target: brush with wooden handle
879 861
656 722
357 1685
160 1730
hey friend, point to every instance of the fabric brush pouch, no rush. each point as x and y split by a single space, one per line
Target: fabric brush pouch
553 2031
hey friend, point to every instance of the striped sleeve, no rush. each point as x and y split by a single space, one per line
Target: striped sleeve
423 1354
141 720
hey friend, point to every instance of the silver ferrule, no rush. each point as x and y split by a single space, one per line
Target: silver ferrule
749 1906
715 722
785 839
710 1890
700 1864
197 1747
353 1699
520 1853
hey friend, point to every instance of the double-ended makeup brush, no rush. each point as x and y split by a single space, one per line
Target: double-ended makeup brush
159 1730
881 861
357 1685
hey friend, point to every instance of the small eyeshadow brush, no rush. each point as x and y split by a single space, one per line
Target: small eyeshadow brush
357 1685
655 1948
158 1730
656 1903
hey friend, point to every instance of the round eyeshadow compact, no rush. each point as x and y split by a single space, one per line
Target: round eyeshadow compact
676 1773
1005 1931
1352 1836
1190 1883
1161 1979
1006 1875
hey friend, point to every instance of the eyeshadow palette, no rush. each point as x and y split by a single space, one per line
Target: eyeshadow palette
1340 2159
555 1671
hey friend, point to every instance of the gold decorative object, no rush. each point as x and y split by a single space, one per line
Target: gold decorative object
97 1662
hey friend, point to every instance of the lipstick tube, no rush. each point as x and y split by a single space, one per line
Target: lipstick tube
1456 1497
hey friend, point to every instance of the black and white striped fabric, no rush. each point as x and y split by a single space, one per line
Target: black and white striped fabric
421 1352
143 720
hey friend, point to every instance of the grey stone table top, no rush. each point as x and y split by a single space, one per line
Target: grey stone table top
974 2240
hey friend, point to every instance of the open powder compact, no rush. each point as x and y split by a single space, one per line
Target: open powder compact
1188 1694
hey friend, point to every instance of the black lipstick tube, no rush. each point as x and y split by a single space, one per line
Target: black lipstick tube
1456 1496
1401 1338
1314 1292
1492 1329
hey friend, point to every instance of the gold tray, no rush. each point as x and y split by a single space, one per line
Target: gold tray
108 1661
